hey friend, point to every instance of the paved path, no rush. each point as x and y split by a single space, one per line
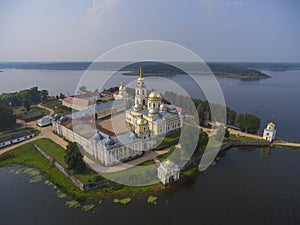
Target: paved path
244 134
51 111
285 143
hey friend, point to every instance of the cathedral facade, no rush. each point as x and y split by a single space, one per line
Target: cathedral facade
160 118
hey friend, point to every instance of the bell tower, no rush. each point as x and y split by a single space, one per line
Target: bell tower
141 91
142 128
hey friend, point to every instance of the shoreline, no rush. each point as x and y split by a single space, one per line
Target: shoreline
187 174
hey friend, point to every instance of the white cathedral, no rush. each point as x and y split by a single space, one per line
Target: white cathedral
160 118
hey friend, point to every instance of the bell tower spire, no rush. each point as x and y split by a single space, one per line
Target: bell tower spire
141 91
141 72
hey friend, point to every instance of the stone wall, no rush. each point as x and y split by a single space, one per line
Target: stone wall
79 184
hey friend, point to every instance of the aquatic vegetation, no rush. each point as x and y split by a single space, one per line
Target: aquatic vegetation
61 194
31 171
13 170
88 207
18 171
152 200
35 179
123 201
214 163
100 202
48 182
73 204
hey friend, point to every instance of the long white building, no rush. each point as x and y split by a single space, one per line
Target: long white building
107 150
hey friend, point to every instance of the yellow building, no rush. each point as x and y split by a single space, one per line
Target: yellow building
161 119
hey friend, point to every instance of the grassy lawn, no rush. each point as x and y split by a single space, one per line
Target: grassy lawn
27 155
34 112
147 163
243 139
57 106
169 138
57 152
165 156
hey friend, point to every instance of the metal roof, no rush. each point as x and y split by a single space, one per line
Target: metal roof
96 108
14 136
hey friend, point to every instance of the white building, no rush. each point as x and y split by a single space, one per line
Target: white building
121 93
76 103
108 150
168 172
15 138
270 132
45 121
162 118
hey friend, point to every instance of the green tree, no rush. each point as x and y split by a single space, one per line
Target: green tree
83 88
44 95
231 114
27 104
248 123
203 140
201 115
74 158
227 133
7 118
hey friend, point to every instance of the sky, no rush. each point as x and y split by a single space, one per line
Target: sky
216 30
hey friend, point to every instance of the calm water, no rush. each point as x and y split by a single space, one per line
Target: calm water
248 186
278 95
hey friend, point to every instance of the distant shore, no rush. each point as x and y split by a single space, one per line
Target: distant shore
224 75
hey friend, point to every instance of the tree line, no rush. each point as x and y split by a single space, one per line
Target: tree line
246 122
22 98
25 98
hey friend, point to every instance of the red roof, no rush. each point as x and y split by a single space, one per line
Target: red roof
179 109
77 101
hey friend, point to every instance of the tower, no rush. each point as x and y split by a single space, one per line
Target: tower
270 132
122 91
154 100
142 128
141 91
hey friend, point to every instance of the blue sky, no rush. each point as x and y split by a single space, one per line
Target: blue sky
217 30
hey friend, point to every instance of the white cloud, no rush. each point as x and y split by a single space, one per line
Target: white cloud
95 13
213 4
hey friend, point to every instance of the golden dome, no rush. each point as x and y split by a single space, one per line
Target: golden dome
141 121
154 95
122 87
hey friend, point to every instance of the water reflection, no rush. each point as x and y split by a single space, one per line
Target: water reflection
265 153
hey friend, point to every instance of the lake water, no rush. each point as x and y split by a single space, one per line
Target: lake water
278 96
248 186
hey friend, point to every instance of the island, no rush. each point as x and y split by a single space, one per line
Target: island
227 70
66 155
